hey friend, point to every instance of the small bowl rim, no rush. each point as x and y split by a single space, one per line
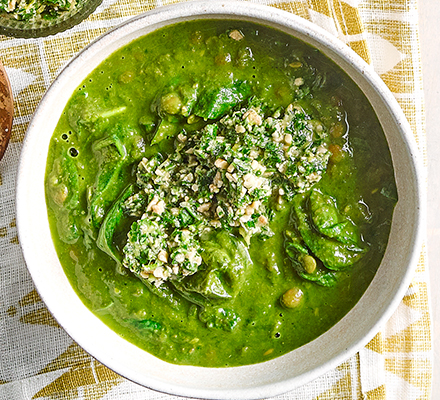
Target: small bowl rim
265 15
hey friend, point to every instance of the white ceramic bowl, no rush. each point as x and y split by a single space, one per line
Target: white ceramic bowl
248 382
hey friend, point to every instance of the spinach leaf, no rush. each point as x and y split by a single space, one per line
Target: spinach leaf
217 101
166 129
87 115
107 187
226 262
328 221
336 253
301 260
109 224
111 140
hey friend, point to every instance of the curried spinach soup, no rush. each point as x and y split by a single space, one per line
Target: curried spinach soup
222 201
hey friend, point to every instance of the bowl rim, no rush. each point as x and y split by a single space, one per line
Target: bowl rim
233 10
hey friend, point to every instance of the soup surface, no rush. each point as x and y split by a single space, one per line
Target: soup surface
223 201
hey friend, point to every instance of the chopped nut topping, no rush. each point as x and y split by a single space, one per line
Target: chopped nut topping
163 256
221 176
181 138
220 163
253 117
236 35
158 208
218 180
240 129
213 188
263 220
204 207
249 210
230 177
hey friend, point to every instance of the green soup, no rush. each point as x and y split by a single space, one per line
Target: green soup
222 201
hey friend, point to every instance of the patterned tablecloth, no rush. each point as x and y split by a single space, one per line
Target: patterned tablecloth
38 360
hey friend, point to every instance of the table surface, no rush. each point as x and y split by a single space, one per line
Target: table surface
429 15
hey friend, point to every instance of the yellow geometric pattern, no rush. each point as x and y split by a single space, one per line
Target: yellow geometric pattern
398 359
83 375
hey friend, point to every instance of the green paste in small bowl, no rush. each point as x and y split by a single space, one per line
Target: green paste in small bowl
37 18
